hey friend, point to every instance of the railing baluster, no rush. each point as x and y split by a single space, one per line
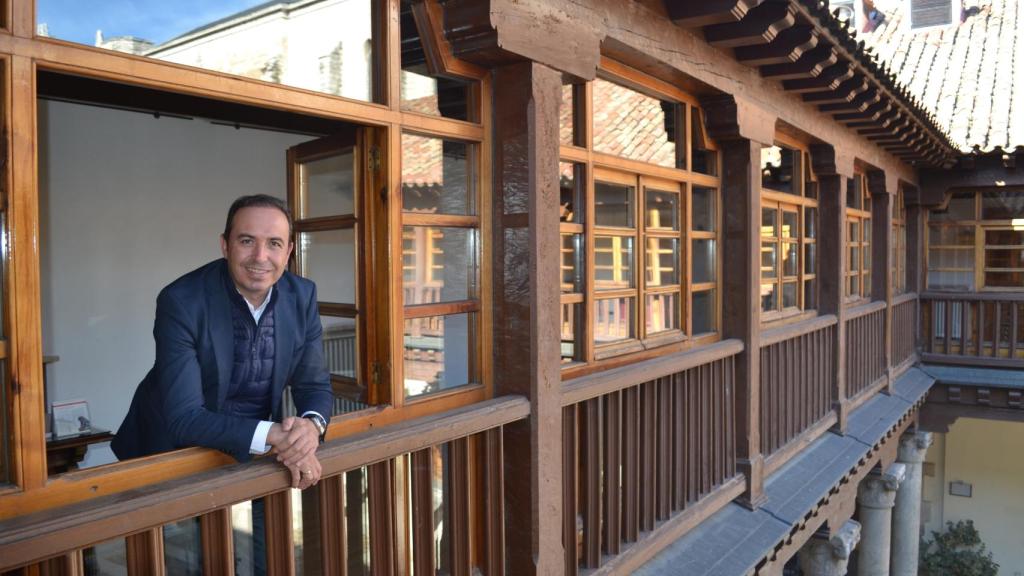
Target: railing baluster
997 335
570 483
382 518
590 446
648 432
982 308
144 552
459 506
1013 329
218 542
663 456
612 535
494 475
679 440
422 511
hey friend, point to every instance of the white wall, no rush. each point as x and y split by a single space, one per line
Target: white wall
128 203
987 455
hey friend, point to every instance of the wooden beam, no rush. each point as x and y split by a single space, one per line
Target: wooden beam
787 46
829 79
845 92
810 64
760 26
691 14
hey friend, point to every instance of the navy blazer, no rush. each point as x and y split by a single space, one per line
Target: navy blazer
177 403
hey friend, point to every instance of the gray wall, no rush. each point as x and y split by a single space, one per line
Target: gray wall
128 203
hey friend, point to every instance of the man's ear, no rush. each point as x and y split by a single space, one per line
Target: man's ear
223 246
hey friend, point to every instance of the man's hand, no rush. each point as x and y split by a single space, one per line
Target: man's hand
293 440
306 472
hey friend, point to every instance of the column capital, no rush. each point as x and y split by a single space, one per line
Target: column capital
913 446
728 117
878 490
828 556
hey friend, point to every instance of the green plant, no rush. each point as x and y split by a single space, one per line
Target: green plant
958 551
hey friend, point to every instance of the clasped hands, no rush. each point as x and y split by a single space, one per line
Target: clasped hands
294 441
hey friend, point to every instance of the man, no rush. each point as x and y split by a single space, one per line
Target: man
229 336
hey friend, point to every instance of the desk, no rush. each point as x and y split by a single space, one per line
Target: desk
64 453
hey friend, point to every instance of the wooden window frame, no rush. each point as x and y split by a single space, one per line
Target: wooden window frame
32 489
797 201
899 244
980 226
858 272
597 166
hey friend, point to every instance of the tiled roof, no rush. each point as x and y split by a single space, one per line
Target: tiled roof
965 73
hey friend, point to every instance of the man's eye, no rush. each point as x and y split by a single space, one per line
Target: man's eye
245 241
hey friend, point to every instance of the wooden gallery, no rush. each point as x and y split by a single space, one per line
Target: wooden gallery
777 245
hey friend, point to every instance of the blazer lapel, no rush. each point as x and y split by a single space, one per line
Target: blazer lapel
221 330
284 342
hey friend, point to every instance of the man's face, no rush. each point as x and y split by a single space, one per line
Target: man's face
257 251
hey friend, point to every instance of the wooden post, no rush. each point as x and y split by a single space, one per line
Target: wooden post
741 130
832 173
881 259
218 543
915 252
144 553
526 310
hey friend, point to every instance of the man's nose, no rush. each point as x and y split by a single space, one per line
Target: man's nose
259 251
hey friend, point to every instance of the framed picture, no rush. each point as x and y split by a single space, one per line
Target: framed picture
71 417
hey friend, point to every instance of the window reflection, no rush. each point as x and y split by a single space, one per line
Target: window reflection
323 45
437 176
439 353
422 90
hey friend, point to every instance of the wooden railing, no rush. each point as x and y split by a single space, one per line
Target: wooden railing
865 347
904 328
797 373
641 445
984 329
353 522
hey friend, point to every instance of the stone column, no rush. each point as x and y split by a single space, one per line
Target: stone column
875 498
824 556
906 518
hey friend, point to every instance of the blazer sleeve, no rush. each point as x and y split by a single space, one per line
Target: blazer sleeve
179 385
310 381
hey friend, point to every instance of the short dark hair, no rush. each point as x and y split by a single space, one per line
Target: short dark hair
257 201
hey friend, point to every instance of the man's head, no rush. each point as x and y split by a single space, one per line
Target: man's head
257 243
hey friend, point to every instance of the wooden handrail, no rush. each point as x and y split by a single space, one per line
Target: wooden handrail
34 537
974 296
905 297
782 333
864 309
601 383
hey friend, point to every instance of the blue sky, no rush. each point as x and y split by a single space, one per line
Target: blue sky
154 20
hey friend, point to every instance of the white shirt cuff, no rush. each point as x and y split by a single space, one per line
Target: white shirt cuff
259 438
308 412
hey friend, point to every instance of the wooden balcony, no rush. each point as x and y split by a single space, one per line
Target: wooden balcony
398 464
975 329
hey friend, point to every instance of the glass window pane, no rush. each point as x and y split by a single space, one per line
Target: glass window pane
183 548
810 222
777 169
810 295
1005 279
1002 205
939 258
633 125
566 116
571 264
705 160
321 46
327 186
810 258
960 207
854 231
341 358
1004 237
790 224
705 216
439 353
768 222
853 194
570 201
572 330
854 263
951 280
769 259
866 285
662 261
613 205
769 297
422 91
866 230
854 288
704 312
106 559
613 262
789 292
1005 258
613 319
442 264
662 210
438 176
791 259
329 258
705 261
951 235
662 312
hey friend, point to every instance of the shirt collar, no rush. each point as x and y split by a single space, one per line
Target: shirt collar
257 311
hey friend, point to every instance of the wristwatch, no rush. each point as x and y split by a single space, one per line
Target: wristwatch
320 423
